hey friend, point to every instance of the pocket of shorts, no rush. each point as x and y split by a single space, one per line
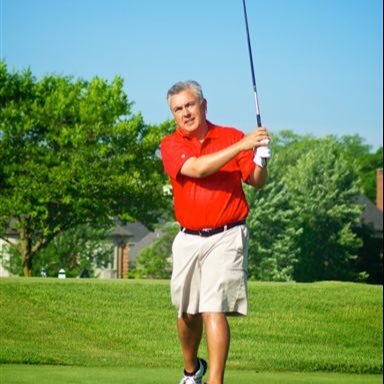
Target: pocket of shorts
243 246
240 250
174 243
236 285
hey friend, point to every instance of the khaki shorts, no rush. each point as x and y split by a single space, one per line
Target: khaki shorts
210 273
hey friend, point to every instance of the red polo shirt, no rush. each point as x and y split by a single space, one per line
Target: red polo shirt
215 200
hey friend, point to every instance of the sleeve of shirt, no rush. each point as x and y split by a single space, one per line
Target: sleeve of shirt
174 154
245 162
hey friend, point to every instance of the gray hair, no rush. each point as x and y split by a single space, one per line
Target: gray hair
180 86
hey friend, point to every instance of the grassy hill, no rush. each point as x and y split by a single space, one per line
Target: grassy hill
325 326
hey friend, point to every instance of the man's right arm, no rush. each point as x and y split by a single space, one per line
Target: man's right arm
206 165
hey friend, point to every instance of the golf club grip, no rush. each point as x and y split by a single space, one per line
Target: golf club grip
258 117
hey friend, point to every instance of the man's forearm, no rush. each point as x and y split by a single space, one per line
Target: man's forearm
258 177
207 165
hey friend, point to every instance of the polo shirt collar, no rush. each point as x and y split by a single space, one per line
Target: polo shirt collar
211 132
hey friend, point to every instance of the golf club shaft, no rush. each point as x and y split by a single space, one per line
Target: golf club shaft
258 117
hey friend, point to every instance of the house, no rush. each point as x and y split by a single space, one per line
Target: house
130 239
370 258
373 214
11 236
379 189
3 259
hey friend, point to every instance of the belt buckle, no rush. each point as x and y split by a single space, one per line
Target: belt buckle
204 232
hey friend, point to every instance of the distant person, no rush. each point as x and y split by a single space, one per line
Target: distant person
43 272
207 165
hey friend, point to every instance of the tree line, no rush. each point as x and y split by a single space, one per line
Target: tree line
74 159
305 224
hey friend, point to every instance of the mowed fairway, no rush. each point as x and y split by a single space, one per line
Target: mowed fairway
22 374
82 331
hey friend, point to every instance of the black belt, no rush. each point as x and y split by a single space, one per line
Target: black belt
214 231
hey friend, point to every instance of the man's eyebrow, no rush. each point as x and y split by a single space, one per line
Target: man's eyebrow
187 104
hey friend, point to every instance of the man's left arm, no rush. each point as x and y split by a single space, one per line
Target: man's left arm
258 177
254 168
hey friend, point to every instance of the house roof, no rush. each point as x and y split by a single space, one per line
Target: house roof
138 231
11 231
120 232
145 242
140 238
371 215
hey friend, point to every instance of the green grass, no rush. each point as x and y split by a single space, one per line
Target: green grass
16 374
328 327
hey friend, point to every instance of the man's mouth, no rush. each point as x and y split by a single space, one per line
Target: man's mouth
189 121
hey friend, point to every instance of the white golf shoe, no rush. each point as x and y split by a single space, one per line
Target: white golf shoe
197 378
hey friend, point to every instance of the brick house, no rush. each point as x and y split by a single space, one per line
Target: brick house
371 232
129 240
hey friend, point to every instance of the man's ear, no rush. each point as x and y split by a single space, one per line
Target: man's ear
205 106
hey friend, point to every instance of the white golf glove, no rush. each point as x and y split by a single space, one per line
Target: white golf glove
262 153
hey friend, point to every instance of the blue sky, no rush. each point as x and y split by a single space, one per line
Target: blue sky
318 63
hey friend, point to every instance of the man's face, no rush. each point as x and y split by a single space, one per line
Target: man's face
188 111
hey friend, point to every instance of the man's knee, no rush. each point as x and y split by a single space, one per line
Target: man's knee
209 316
191 319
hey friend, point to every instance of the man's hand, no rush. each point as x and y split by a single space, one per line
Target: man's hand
262 153
259 176
254 139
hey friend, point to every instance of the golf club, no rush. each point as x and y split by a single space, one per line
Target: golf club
252 68
259 160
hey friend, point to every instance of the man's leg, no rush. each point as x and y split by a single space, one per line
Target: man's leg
190 329
218 338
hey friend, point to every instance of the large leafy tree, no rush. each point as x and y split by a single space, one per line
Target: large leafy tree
322 189
301 223
273 249
353 147
71 152
77 250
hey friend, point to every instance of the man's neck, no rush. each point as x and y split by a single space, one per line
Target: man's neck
200 132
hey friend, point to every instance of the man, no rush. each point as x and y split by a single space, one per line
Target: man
207 165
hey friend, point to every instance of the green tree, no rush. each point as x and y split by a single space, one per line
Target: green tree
274 248
290 147
302 222
365 161
77 249
322 190
353 147
273 245
155 261
72 153
369 164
